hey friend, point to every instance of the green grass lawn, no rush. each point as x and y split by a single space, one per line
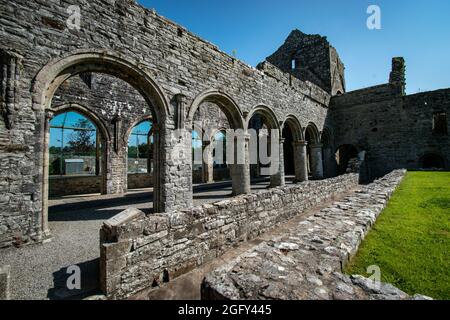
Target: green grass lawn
410 242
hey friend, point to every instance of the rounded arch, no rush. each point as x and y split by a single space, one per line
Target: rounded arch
293 123
86 112
267 113
224 101
52 75
58 70
327 138
216 131
137 122
313 133
204 135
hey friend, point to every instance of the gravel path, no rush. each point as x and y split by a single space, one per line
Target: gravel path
39 271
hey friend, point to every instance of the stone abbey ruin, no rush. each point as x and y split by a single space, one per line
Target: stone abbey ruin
126 65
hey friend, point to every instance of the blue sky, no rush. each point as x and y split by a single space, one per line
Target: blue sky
418 30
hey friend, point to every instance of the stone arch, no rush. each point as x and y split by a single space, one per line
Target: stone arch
295 126
58 70
294 149
313 132
52 75
275 166
327 137
224 101
216 131
138 121
98 123
268 115
314 151
85 111
239 176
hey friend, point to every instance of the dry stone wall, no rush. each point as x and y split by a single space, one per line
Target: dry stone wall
306 263
139 251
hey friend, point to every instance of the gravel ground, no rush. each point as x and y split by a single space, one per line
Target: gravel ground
39 271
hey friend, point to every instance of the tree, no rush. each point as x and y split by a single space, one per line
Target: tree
82 140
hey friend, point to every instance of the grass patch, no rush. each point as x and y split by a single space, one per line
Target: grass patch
410 242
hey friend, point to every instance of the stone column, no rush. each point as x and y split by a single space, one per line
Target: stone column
158 202
240 171
316 161
301 161
208 165
278 179
45 183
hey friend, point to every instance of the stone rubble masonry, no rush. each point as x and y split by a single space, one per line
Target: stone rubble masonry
163 61
315 60
138 251
307 262
395 130
5 280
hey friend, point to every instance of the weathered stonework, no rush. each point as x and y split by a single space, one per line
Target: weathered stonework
306 263
139 251
395 130
142 66
171 68
5 282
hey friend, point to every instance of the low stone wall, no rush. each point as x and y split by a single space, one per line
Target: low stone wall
74 185
138 251
306 263
60 186
140 181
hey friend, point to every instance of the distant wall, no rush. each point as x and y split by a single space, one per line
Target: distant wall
140 181
395 130
77 185
139 251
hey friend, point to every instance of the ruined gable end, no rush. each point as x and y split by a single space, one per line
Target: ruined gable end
311 58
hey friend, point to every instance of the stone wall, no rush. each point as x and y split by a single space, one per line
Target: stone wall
139 181
169 66
139 251
306 262
311 58
60 186
395 130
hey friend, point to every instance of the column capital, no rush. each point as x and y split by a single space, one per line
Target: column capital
316 146
300 143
